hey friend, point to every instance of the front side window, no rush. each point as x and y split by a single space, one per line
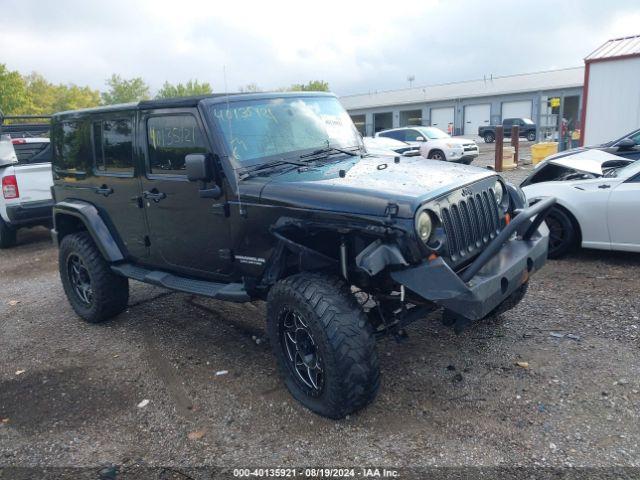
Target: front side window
412 135
170 138
282 127
113 146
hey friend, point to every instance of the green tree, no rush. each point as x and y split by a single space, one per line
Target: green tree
41 95
72 97
13 91
311 86
122 90
45 98
250 88
190 89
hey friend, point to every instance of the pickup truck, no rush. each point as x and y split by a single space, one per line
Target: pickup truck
25 175
526 125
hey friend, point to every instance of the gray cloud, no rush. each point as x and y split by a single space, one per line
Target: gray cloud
356 49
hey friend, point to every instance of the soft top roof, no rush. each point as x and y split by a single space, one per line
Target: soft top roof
186 102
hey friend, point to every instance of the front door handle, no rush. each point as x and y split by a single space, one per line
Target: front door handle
154 195
604 185
103 190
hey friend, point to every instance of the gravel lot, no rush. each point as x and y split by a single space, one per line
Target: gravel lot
69 391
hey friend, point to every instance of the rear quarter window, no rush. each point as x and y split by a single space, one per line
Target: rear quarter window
71 148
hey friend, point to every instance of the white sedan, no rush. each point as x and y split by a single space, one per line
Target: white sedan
598 200
435 144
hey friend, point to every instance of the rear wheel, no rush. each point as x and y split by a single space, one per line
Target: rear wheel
562 233
324 344
94 291
7 235
437 155
489 137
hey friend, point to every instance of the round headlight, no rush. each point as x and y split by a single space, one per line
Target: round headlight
424 226
498 189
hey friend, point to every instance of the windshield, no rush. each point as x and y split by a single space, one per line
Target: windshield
283 127
527 121
433 133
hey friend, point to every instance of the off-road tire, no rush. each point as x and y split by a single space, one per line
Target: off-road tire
489 138
562 233
531 136
7 235
437 155
110 292
342 334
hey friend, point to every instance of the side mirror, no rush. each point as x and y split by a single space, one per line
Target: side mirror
420 139
626 144
198 167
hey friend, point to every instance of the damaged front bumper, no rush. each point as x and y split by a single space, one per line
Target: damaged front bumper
506 264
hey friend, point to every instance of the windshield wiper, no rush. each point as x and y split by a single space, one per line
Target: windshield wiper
249 171
325 152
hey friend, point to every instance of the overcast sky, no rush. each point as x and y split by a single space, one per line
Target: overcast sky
355 46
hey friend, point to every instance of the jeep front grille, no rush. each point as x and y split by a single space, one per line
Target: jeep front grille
470 224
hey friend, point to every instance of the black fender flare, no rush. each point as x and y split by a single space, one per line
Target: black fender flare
90 217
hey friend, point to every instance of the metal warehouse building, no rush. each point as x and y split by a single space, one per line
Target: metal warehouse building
461 107
611 104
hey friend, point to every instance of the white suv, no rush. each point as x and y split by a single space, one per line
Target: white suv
25 175
435 144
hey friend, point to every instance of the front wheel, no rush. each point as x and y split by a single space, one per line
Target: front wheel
531 136
562 234
324 344
489 137
437 155
94 291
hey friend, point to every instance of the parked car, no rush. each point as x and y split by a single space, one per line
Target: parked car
389 146
598 197
527 129
25 173
435 144
272 196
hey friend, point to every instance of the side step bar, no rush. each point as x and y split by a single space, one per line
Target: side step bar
230 292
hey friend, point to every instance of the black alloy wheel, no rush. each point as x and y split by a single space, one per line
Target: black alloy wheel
301 352
562 234
80 279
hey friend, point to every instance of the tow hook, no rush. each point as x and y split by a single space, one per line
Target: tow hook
452 319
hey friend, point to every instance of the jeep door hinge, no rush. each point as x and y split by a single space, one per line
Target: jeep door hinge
147 241
138 201
221 209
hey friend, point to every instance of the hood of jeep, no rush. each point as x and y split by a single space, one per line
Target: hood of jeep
369 184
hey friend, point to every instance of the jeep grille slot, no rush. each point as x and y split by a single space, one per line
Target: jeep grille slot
470 224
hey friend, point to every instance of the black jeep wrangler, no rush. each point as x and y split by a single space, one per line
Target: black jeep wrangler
274 197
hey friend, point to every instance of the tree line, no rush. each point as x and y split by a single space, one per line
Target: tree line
33 94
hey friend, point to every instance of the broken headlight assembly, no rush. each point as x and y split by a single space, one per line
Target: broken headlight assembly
502 196
424 226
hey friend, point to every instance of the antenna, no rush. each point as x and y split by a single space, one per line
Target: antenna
235 172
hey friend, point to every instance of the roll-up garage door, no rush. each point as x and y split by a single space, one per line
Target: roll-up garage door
443 118
476 116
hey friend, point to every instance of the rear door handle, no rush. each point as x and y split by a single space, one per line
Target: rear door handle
604 185
103 190
154 195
